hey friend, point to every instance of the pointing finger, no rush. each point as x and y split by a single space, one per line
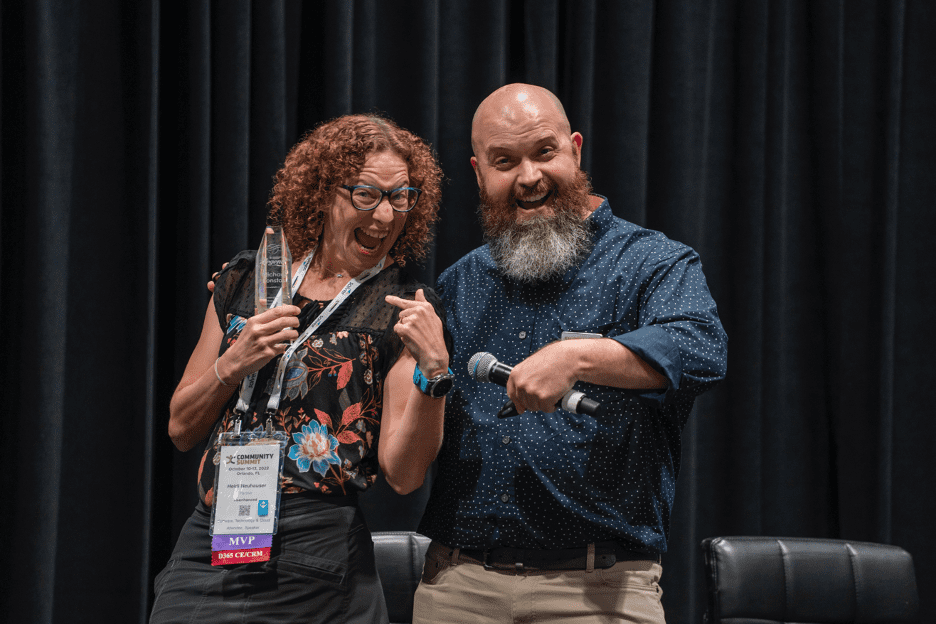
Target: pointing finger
403 304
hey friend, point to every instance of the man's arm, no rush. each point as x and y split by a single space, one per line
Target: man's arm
679 344
540 381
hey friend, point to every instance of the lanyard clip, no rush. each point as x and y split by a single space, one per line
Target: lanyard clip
239 417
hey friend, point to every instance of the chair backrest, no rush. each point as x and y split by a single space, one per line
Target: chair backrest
399 556
766 580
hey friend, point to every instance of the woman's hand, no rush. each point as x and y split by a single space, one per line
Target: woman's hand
263 337
209 381
420 329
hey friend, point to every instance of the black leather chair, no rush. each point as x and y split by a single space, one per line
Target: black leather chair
776 580
399 557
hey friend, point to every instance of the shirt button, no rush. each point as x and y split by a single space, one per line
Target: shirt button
522 335
506 439
505 498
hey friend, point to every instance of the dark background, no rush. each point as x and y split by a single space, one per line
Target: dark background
790 142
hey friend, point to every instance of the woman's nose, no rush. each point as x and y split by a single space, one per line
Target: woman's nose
383 212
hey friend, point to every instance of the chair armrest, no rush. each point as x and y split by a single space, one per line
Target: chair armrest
399 556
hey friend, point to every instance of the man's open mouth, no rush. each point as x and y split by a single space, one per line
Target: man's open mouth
534 202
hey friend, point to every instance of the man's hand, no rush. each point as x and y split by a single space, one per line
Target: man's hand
214 276
539 382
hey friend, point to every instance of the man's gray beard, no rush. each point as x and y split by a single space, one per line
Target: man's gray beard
541 247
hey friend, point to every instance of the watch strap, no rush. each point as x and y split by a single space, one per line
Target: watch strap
426 385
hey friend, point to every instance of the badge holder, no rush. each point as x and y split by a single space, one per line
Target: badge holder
245 513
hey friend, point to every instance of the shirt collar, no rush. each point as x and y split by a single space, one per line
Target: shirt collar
602 217
600 221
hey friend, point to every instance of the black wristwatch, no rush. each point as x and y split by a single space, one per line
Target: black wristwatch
438 386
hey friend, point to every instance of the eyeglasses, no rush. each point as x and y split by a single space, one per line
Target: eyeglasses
364 197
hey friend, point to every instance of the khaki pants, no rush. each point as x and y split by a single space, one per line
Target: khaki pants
628 591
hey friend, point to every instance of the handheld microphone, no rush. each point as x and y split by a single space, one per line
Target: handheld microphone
484 367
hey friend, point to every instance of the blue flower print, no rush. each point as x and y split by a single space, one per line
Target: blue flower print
296 381
314 447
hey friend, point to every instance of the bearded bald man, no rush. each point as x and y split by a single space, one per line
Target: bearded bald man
549 515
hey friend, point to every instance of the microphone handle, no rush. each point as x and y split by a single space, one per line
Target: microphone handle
499 373
579 403
573 401
589 406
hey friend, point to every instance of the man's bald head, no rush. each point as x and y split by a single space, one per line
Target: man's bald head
512 103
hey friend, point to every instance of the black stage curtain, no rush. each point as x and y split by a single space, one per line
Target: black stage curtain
790 142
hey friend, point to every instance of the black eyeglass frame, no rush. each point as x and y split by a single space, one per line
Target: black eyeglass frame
383 194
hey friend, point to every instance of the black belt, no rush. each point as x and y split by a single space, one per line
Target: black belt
520 559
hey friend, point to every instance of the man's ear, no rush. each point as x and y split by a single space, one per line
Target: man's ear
577 139
474 165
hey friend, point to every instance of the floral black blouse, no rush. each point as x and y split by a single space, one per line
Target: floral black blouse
333 388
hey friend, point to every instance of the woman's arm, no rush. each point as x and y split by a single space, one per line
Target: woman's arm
411 423
201 394
410 427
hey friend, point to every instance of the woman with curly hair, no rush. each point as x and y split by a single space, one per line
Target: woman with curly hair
364 386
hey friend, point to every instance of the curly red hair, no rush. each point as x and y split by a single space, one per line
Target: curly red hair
333 153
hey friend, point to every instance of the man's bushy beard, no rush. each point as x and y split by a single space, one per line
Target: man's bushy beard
542 246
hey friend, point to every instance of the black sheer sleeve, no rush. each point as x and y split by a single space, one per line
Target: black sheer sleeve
234 293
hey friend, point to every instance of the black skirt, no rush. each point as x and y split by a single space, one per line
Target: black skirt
321 569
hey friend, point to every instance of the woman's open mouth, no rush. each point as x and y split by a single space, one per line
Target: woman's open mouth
367 242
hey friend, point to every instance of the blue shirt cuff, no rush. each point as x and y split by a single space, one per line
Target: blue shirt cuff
654 346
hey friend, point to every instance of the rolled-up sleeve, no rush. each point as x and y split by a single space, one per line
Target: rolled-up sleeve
679 332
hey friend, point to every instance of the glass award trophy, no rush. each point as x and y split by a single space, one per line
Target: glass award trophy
273 271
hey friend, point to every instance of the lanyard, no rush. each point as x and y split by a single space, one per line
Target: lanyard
247 387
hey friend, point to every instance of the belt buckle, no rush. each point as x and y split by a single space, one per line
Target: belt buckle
485 559
486 562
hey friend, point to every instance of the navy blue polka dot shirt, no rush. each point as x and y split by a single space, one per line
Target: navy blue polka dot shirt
563 480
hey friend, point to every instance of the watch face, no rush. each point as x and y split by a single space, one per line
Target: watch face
442 386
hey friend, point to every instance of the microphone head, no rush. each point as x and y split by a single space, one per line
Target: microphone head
480 365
